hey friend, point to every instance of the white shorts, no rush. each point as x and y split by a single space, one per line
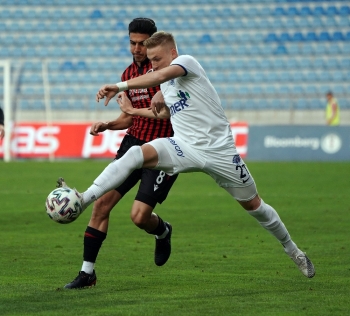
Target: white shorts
226 167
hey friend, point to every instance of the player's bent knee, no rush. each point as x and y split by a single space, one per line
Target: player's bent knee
139 219
251 205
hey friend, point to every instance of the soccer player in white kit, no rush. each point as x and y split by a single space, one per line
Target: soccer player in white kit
202 138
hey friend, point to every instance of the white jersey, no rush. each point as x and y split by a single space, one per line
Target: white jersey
197 116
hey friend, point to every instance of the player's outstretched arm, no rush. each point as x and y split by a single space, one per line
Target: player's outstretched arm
126 107
148 80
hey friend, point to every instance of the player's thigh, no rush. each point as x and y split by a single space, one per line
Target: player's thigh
154 186
130 182
228 169
243 194
176 156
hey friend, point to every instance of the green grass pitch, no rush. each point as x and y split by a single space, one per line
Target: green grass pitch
222 263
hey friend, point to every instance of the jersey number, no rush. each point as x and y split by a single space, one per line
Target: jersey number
245 175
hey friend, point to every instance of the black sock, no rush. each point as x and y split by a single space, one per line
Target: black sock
93 240
160 228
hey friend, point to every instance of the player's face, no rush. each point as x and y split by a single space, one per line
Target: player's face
161 56
137 49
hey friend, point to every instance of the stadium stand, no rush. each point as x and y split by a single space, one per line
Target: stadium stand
256 52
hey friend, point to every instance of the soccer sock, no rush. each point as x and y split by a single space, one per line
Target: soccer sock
161 231
93 240
114 175
268 218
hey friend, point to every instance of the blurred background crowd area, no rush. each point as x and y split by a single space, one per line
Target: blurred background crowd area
262 56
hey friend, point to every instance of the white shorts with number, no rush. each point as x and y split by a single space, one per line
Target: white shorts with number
226 167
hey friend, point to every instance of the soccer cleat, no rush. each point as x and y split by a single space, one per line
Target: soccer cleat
83 280
163 248
304 263
62 184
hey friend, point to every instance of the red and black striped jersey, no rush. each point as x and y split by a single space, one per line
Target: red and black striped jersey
143 128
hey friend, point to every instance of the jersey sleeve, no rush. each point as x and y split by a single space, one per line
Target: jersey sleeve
189 64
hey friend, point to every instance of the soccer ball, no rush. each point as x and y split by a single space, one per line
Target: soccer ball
63 205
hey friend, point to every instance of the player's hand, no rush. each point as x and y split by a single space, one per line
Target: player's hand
2 131
97 128
125 103
108 92
157 103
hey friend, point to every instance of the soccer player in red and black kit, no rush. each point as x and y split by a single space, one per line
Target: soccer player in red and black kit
154 185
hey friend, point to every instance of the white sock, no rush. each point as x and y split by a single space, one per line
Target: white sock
114 175
88 267
268 218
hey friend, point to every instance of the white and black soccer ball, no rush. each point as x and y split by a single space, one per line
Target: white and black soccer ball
63 205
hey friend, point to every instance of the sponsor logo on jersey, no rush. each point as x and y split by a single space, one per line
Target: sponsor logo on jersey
138 94
179 152
181 104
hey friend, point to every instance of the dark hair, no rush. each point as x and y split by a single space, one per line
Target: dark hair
143 26
329 93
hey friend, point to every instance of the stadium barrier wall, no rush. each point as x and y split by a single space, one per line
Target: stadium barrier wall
299 143
260 143
73 140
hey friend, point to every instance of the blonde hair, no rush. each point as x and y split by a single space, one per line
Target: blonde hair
160 38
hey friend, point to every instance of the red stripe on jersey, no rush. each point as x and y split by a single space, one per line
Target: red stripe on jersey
143 128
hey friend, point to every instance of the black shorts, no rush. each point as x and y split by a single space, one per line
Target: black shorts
155 184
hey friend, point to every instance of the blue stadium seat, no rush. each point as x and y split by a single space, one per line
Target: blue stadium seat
205 39
345 49
332 64
311 37
67 65
297 37
317 23
283 90
337 76
291 64
271 37
345 63
305 11
96 14
307 49
318 63
304 63
318 10
271 77
343 22
330 22
344 10
347 37
257 90
81 65
321 49
311 76
333 49
292 11
279 11
297 77
258 77
301 104
331 10
284 37
265 64
289 23
311 89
